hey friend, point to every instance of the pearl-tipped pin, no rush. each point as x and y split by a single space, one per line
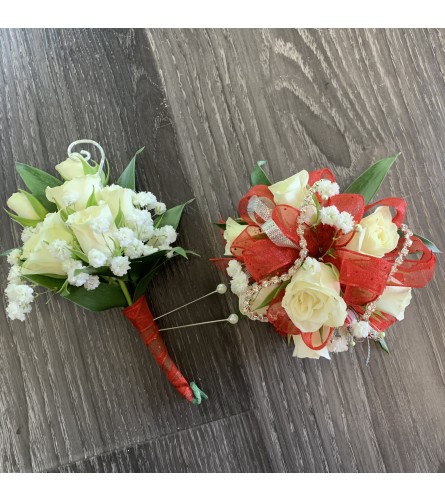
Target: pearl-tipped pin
221 289
232 319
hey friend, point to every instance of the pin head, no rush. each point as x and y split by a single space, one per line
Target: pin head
233 319
221 288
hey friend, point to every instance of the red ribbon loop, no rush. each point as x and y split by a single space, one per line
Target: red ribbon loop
322 173
399 205
261 191
264 259
413 272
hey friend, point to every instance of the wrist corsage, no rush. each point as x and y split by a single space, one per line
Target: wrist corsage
325 269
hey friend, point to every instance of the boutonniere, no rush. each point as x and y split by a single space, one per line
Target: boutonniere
97 244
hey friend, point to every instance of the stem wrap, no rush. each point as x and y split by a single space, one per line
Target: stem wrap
140 315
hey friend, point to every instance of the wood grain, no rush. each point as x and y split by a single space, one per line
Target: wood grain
78 391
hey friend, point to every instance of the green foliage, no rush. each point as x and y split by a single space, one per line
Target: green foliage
65 213
105 296
145 280
46 281
172 216
87 168
79 254
384 345
128 176
153 263
119 219
143 265
273 294
428 243
22 221
258 176
369 182
91 200
37 181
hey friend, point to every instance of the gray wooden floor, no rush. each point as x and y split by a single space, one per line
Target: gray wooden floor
78 392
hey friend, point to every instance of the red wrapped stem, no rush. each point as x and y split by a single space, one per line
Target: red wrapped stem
142 318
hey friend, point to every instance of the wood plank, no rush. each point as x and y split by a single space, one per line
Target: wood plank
226 445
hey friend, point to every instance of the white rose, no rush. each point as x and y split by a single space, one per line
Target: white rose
312 298
39 259
378 235
93 228
291 191
394 300
116 196
303 351
233 230
70 169
75 193
21 205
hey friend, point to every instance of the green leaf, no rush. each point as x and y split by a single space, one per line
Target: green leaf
35 203
368 183
46 281
64 292
22 221
105 296
119 219
65 213
191 252
258 176
144 264
91 200
87 168
145 281
428 243
220 225
273 294
172 216
128 176
180 251
79 254
37 181
384 345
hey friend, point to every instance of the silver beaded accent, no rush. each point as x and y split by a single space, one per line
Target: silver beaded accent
253 289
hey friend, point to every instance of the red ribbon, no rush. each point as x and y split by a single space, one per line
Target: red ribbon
142 318
418 267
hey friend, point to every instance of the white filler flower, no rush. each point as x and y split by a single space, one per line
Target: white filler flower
119 265
96 258
331 216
